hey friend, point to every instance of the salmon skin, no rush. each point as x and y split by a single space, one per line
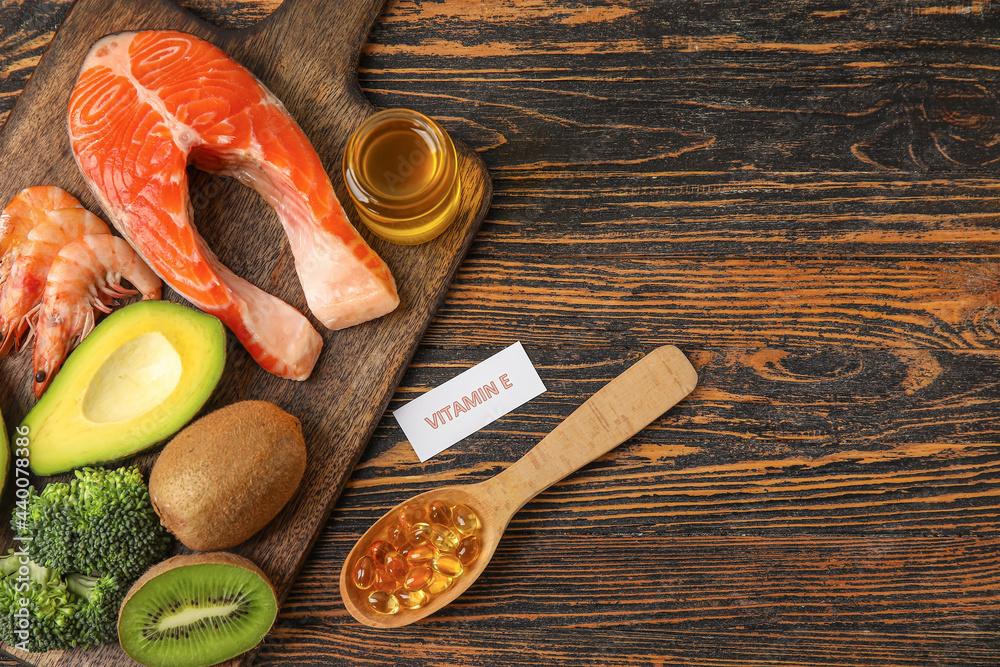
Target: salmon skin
145 105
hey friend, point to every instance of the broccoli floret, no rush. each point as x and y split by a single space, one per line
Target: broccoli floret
100 523
87 540
43 610
104 597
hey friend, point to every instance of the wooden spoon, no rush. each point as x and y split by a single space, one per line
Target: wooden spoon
615 413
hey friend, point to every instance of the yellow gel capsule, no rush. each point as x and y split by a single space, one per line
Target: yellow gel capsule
468 549
384 582
421 554
363 574
418 577
443 538
439 512
438 584
448 564
397 537
464 520
383 602
396 566
379 550
410 514
419 534
413 599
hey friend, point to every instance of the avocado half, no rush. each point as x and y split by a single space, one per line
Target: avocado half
139 376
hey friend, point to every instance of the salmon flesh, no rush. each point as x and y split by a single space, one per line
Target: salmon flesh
147 104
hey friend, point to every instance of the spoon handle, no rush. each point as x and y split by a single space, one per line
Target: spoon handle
619 410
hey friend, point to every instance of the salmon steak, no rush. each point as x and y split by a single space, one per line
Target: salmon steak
148 104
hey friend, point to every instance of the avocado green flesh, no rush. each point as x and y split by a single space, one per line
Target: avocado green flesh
142 374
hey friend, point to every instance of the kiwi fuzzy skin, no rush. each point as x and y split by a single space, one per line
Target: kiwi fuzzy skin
226 475
187 560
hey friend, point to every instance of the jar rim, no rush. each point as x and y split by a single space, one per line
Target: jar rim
430 130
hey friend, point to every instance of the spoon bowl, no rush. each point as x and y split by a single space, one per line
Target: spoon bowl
471 495
619 410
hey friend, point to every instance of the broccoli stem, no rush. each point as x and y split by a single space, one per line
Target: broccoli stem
80 585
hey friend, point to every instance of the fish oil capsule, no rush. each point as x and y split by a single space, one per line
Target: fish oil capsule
448 564
379 549
439 512
383 602
384 581
443 538
412 599
418 577
468 549
419 534
439 583
464 520
421 555
363 574
396 566
397 536
410 514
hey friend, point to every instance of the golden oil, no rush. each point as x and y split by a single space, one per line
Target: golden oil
401 170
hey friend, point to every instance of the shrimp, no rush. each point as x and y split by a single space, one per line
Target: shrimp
21 295
85 276
28 208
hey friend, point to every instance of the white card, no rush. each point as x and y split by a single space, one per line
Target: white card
468 402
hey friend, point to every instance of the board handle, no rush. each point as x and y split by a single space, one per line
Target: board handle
619 410
344 29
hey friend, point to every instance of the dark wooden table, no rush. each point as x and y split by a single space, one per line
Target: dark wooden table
803 196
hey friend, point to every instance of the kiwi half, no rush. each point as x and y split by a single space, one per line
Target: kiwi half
196 610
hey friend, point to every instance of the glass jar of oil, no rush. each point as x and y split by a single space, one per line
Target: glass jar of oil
401 170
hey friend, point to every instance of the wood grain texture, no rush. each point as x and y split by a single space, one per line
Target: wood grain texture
805 198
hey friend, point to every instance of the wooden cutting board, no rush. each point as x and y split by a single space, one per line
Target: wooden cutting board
307 54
